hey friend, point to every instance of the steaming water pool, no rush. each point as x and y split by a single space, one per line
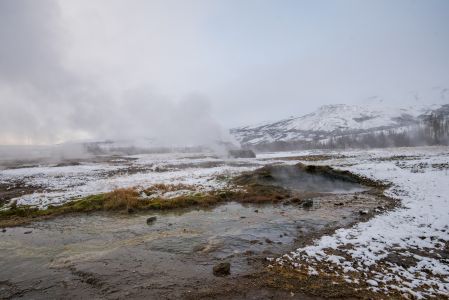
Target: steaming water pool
291 177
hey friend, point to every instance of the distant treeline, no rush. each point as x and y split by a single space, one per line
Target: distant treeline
432 130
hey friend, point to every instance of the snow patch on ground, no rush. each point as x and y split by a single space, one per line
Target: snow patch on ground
419 229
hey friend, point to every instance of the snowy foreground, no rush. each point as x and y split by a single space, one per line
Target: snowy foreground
404 250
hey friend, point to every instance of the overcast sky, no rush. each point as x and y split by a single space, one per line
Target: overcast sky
187 69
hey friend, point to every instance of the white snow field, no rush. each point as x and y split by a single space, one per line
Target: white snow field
417 232
59 184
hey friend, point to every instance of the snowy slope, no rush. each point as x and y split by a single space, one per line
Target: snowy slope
332 120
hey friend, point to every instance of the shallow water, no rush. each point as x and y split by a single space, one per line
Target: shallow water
108 255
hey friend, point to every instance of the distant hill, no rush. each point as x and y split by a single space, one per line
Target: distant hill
333 123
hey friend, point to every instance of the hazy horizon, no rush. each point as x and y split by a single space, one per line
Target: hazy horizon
186 71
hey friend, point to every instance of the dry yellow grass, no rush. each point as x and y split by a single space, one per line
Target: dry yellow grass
121 199
164 188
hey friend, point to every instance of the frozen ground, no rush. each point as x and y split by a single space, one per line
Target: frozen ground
56 184
404 250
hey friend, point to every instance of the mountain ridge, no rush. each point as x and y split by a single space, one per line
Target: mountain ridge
334 120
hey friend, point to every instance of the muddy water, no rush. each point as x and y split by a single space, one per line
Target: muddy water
116 256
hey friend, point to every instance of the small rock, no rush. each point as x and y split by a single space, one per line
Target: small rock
222 269
151 220
307 204
339 204
131 210
3 230
170 224
27 232
363 212
268 241
242 217
256 210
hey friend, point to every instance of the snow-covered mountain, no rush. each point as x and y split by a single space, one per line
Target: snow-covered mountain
333 121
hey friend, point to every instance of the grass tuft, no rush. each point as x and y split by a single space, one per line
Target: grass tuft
121 199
